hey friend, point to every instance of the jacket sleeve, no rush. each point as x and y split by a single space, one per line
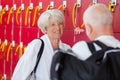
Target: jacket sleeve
27 62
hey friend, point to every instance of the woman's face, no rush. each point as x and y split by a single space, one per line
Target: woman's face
54 30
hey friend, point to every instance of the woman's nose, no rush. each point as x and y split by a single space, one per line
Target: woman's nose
57 26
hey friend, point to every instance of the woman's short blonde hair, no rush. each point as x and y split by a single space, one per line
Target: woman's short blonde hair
43 20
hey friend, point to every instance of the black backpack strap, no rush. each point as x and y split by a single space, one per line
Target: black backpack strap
91 46
102 45
97 56
39 55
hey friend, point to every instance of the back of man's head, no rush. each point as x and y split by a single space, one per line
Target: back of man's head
98 16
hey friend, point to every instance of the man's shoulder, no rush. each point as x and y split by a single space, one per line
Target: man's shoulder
81 50
80 43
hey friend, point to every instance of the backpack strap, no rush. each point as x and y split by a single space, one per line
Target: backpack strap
39 55
92 47
102 45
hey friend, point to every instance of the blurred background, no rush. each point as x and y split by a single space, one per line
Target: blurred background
18 25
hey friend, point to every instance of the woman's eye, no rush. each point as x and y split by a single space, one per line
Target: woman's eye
53 24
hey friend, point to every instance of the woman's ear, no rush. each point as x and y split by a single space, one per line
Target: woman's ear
45 30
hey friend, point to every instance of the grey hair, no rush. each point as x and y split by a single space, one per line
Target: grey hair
43 20
98 15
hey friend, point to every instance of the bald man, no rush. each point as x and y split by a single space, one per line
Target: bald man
98 22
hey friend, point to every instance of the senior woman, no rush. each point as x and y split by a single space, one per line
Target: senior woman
51 23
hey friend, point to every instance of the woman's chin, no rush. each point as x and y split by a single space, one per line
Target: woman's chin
57 37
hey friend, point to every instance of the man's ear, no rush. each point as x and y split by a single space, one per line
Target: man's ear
88 29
